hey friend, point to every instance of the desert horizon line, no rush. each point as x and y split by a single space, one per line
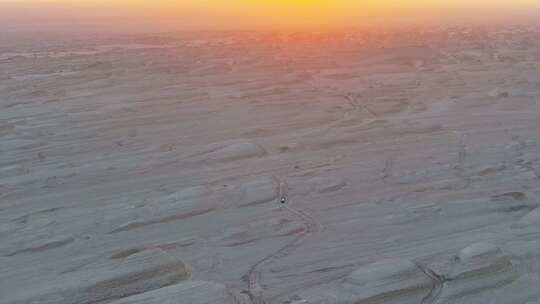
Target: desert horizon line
215 15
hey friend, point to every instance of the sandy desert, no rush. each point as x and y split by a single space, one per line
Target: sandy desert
261 168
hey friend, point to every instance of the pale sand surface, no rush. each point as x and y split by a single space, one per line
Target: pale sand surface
150 169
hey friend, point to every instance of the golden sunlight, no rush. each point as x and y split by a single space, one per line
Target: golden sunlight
237 14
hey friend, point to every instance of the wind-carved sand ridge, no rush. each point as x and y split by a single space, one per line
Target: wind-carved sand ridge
243 168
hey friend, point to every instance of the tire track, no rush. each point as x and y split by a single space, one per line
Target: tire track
519 160
387 170
253 276
460 166
438 283
351 99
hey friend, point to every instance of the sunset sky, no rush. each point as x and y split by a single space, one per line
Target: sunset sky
241 14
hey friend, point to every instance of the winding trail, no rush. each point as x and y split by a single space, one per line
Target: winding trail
253 276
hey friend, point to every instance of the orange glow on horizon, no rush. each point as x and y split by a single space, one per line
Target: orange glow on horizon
220 14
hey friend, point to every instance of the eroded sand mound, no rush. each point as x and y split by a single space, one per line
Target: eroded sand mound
385 281
193 292
143 271
477 268
235 151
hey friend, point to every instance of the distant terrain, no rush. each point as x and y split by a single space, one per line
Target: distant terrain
241 167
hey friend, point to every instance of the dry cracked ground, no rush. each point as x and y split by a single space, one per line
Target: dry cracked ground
249 168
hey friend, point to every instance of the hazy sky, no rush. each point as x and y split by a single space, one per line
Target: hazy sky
242 14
